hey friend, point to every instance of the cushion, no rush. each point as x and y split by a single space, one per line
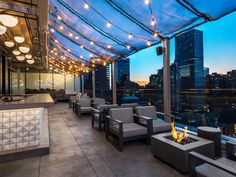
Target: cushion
85 102
102 107
99 101
207 170
85 109
131 129
148 111
161 126
123 114
129 105
96 116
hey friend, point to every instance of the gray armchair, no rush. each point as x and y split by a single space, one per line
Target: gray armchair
72 100
83 105
129 105
121 125
202 166
230 147
98 115
98 101
158 125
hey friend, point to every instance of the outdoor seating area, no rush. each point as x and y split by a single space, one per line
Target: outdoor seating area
117 88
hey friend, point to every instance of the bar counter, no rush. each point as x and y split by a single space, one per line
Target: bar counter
30 101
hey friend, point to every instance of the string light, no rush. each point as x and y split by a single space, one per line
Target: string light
91 42
68 50
56 41
59 17
155 34
91 55
130 36
109 46
153 21
81 46
76 37
52 30
86 6
108 24
148 42
146 2
61 27
81 56
70 34
128 47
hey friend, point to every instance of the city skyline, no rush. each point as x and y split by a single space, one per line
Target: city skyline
219 43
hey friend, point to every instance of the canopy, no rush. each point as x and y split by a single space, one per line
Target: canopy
118 28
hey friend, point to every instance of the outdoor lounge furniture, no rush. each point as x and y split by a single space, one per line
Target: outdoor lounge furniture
129 105
98 115
72 99
121 124
158 125
98 101
230 150
83 105
209 167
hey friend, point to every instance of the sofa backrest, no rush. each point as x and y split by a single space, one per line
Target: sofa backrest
85 102
107 107
129 105
99 101
148 111
123 114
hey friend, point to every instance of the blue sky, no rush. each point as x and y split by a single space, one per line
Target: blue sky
219 50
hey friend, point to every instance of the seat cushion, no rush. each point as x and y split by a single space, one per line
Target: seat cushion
148 111
85 102
161 126
86 109
99 101
123 114
207 170
131 129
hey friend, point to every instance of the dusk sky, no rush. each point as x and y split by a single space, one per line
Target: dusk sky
219 51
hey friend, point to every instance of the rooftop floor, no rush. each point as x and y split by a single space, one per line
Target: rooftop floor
78 150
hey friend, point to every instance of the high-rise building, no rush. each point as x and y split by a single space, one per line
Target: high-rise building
206 71
189 68
189 59
101 80
122 71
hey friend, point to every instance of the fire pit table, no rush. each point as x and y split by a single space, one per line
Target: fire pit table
176 154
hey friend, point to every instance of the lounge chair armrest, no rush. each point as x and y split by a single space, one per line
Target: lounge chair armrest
114 120
193 156
107 102
231 143
95 111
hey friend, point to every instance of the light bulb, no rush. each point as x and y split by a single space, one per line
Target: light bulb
19 39
59 17
70 34
146 2
155 34
28 56
24 49
8 20
109 46
3 29
91 42
76 37
16 52
9 43
108 24
153 22
52 30
20 57
31 61
61 27
148 43
86 6
128 47
81 46
130 36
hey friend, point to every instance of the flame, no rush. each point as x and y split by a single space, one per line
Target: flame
179 136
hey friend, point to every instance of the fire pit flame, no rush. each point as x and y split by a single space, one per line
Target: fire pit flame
178 136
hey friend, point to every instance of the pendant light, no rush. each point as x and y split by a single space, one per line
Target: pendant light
9 43
31 61
3 29
24 49
19 39
20 57
28 56
8 20
16 52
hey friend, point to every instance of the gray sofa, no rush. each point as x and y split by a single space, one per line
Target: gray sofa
122 126
158 125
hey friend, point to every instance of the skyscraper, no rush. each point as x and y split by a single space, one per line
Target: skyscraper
122 71
189 59
101 81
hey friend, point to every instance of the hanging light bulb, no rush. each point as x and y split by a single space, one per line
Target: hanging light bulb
16 52
61 27
148 42
81 56
130 36
68 50
8 20
59 17
52 30
24 49
146 2
108 24
28 56
70 34
20 57
81 46
3 29
76 37
91 42
109 46
128 47
9 43
91 55
153 21
86 6
19 39
155 34
31 61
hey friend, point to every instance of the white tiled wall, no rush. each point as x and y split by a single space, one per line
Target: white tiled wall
20 128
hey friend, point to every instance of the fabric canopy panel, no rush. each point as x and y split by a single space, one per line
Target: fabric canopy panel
118 28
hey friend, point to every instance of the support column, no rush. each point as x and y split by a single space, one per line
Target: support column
166 81
93 84
82 84
18 81
114 94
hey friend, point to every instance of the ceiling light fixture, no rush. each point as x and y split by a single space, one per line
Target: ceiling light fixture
24 49
16 52
31 61
20 57
19 39
28 56
8 20
9 43
3 29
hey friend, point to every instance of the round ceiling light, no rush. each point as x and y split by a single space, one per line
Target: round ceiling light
8 20
28 56
24 49
3 29
31 61
20 57
9 43
16 52
19 39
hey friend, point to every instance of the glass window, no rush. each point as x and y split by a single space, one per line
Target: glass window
32 81
70 84
59 81
46 80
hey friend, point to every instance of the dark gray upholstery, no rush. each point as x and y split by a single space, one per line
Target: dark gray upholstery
83 106
98 101
123 114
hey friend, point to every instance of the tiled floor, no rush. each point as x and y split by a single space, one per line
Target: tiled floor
77 150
